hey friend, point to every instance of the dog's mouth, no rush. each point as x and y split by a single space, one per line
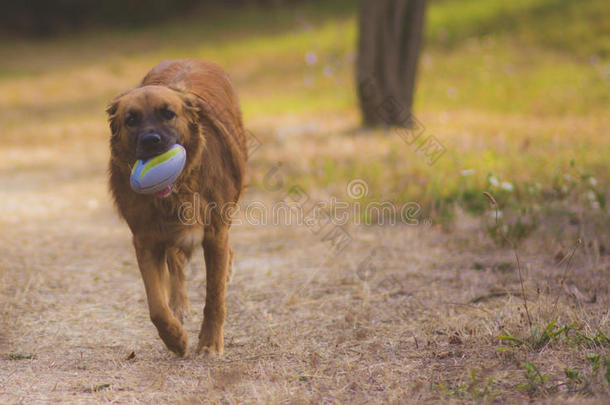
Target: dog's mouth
153 142
151 153
165 192
157 175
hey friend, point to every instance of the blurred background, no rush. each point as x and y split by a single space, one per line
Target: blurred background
426 102
499 87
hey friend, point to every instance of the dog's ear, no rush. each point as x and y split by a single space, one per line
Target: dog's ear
113 118
111 110
191 106
112 107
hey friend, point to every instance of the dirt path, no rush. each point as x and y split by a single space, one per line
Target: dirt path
300 328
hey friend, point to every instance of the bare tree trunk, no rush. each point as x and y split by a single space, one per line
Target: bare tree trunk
390 39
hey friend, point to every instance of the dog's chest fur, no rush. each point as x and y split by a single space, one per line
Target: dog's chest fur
189 237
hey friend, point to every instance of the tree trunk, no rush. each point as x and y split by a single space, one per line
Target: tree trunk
390 39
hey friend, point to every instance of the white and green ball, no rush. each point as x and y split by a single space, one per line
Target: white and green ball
158 173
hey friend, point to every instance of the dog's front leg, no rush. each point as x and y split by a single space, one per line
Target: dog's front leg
153 267
178 300
216 253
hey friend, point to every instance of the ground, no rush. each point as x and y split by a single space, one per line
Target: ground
427 310
402 313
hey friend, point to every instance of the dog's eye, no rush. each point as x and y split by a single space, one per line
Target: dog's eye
167 114
131 120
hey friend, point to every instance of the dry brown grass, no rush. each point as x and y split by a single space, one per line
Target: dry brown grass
406 331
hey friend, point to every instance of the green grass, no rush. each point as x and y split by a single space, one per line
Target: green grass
579 28
517 90
18 356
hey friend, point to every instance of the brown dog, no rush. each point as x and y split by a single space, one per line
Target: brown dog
192 103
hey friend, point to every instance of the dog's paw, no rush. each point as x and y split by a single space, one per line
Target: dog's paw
210 346
210 351
177 346
175 339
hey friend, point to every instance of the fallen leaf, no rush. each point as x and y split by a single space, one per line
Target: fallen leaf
96 388
442 355
455 339
559 257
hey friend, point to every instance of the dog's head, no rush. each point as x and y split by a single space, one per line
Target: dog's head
149 120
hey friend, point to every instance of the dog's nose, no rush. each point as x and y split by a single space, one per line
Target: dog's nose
150 140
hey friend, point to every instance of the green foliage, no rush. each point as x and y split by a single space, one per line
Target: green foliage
539 339
581 381
18 356
600 339
576 380
521 208
96 388
573 375
535 379
596 361
480 389
507 222
563 24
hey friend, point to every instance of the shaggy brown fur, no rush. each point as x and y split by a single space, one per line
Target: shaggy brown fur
207 122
